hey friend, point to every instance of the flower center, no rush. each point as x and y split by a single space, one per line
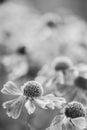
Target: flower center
75 110
61 66
51 24
81 83
33 89
62 63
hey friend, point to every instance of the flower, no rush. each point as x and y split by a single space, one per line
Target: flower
75 84
53 74
62 63
73 117
30 95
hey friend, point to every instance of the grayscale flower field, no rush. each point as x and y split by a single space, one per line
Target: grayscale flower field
43 65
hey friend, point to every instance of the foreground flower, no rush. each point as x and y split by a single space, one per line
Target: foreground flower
30 94
72 118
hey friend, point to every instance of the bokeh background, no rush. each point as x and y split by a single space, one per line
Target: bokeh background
33 33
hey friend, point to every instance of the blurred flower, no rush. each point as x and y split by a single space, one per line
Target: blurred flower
62 63
73 117
75 84
65 79
53 74
16 66
30 94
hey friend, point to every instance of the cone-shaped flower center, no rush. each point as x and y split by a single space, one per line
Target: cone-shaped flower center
33 89
51 24
62 63
81 82
61 66
75 110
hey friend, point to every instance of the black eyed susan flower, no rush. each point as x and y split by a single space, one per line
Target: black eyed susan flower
30 94
73 117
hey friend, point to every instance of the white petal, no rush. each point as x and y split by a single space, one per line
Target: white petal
56 123
79 122
30 107
57 101
7 104
56 127
44 103
11 89
14 107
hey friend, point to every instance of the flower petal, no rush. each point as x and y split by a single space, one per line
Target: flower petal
79 122
14 107
11 89
58 101
44 103
7 104
56 124
50 101
30 107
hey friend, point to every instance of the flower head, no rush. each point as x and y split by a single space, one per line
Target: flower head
74 110
73 117
30 94
33 89
75 84
62 63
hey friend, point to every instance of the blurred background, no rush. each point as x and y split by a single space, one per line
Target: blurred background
32 34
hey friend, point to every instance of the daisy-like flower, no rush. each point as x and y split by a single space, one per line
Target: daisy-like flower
30 95
73 117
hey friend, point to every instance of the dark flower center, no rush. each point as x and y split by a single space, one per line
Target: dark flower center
33 89
81 82
61 66
75 110
51 24
21 50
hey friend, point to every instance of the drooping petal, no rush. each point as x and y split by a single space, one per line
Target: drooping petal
7 104
50 101
58 101
30 107
14 107
56 124
79 122
11 89
44 104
